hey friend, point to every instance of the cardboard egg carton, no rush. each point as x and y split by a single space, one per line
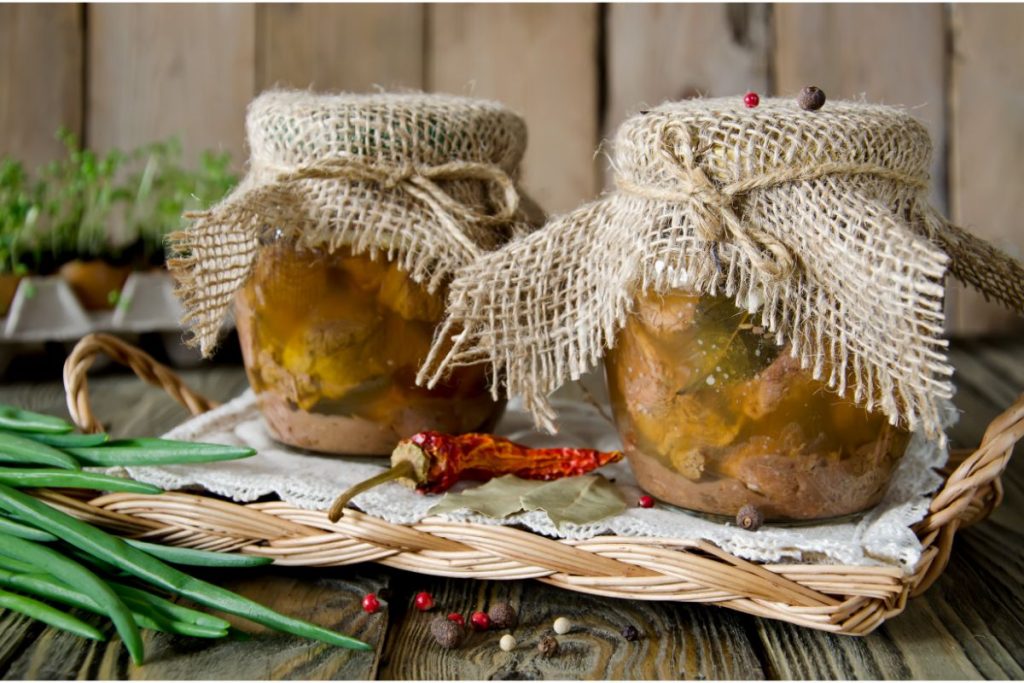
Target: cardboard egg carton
46 309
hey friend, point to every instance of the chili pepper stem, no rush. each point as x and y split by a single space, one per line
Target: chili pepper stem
401 470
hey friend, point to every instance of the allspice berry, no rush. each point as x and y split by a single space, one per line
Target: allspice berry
749 518
503 616
448 634
548 646
811 98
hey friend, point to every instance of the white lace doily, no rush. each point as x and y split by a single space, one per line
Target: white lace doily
881 537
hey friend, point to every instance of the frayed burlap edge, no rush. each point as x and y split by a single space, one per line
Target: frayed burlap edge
865 316
428 220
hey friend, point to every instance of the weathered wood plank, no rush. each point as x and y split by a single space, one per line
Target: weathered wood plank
170 70
40 79
987 135
350 47
328 598
679 641
541 61
894 54
660 52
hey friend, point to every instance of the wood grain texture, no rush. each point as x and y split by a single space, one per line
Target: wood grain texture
986 165
660 52
329 599
170 70
40 79
679 641
350 47
540 60
894 54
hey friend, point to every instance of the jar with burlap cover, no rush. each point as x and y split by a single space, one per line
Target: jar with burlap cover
819 222
428 180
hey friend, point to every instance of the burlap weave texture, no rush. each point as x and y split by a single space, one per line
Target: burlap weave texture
818 221
427 180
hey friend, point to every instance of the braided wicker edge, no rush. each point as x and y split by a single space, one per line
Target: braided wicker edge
847 600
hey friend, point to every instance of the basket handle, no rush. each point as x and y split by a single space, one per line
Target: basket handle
148 369
981 468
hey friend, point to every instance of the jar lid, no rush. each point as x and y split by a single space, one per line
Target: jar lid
295 128
734 143
429 181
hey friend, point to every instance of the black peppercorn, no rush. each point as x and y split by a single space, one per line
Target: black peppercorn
503 616
811 98
749 518
448 634
548 646
630 633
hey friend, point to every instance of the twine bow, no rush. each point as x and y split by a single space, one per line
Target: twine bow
215 254
419 181
714 218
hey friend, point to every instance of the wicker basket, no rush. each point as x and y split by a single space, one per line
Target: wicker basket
841 599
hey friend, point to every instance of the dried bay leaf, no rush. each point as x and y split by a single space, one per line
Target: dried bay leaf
499 497
578 500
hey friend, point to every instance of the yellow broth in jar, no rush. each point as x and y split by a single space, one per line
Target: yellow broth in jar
714 415
332 343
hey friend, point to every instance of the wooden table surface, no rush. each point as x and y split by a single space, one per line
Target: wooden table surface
970 624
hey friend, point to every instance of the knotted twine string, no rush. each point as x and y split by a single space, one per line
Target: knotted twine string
417 180
715 219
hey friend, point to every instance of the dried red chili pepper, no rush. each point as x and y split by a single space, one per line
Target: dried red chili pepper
433 462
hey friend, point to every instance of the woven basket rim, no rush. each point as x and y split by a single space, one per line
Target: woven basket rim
850 600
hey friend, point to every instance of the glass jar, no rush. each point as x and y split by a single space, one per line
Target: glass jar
332 343
714 415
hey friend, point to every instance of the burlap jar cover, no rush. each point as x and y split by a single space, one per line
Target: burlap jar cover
427 180
818 220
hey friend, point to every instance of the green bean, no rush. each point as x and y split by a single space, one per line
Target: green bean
94 562
16 448
68 440
48 615
11 564
35 478
167 609
155 572
142 452
19 420
20 530
198 558
43 586
73 574
158 605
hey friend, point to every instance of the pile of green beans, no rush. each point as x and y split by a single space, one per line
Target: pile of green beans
47 555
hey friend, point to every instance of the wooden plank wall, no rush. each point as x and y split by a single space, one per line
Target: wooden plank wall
126 74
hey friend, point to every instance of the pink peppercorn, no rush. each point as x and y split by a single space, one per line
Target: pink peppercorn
480 621
370 603
424 601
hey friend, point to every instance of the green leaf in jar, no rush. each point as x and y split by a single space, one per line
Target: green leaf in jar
726 348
